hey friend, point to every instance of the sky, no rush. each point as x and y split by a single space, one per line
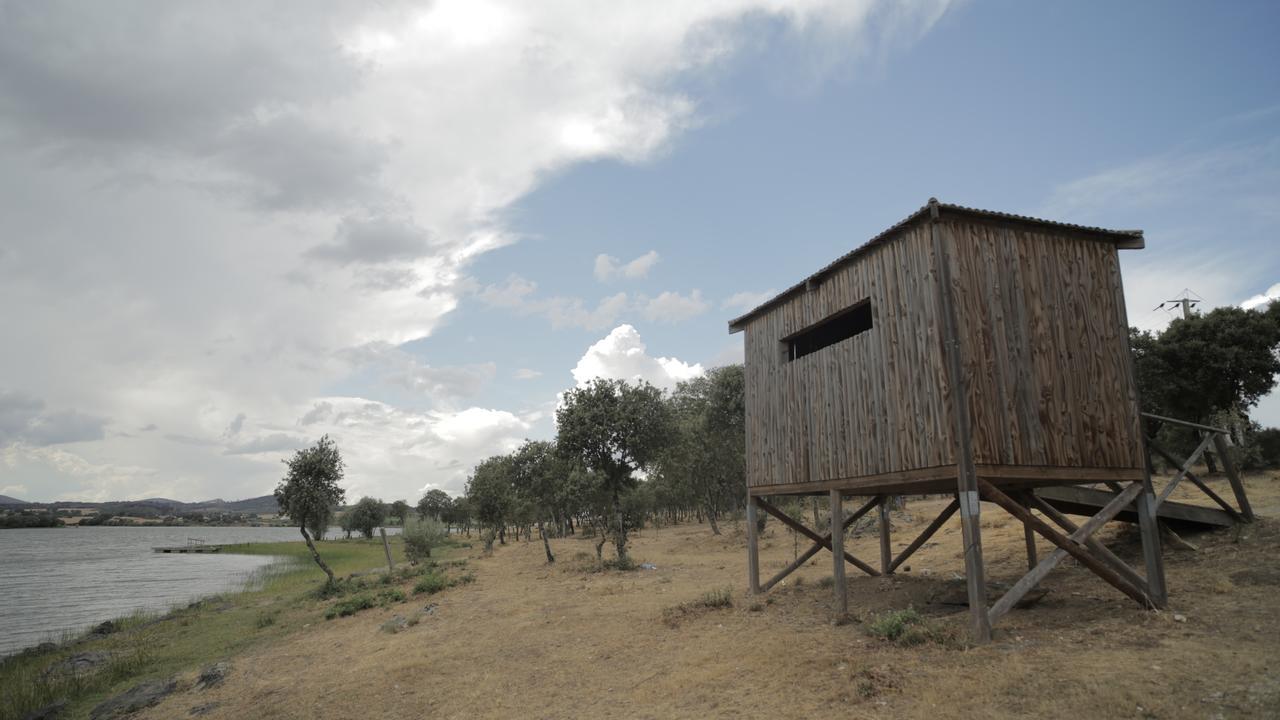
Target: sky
228 228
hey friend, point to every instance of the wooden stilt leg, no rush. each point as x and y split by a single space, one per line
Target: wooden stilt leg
967 475
837 554
974 573
753 549
886 553
1030 537
1149 527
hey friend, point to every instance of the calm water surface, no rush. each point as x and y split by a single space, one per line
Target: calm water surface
54 580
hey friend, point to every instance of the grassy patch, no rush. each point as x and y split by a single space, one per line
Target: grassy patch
718 599
908 628
281 599
437 581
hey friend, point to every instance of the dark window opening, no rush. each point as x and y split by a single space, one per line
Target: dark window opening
841 326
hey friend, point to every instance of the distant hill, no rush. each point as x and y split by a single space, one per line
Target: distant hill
259 505
162 506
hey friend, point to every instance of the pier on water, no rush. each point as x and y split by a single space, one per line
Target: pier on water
194 545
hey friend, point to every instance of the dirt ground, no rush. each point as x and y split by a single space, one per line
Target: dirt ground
535 641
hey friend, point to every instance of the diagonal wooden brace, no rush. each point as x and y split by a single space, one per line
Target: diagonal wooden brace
1169 457
943 516
1184 470
813 549
823 541
1098 548
1070 545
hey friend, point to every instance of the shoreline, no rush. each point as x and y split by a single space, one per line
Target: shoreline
277 600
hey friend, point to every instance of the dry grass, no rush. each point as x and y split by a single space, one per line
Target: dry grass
530 640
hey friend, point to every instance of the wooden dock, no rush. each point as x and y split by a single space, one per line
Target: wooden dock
192 546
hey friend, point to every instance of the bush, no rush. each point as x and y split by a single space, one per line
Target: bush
350 606
421 538
722 598
711 600
390 595
431 583
908 627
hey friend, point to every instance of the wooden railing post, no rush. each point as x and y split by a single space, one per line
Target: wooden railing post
753 548
386 546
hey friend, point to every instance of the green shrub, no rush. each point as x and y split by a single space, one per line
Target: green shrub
711 600
421 538
722 598
265 619
389 596
350 606
907 628
431 583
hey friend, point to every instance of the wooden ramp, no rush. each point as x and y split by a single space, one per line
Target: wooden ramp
1075 500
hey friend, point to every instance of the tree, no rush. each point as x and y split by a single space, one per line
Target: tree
537 473
309 491
400 511
491 496
434 504
367 515
614 428
1219 363
707 452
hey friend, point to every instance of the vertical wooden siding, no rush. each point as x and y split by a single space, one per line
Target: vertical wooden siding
874 403
1044 346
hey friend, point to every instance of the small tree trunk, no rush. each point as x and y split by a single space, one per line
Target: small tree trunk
488 542
315 554
502 535
711 517
546 544
620 532
604 536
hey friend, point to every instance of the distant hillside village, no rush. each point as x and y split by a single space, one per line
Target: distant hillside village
260 511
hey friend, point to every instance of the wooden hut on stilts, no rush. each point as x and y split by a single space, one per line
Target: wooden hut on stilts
978 354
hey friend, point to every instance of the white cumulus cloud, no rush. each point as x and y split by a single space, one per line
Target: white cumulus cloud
621 355
1272 293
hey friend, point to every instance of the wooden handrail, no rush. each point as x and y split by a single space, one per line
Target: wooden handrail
1184 423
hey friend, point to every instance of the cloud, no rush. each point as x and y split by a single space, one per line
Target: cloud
374 240
23 419
1272 293
432 448
744 301
520 296
273 443
517 295
236 425
396 366
526 374
608 267
621 355
672 307
255 189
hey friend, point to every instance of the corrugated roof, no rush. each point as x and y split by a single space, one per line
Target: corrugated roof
1126 238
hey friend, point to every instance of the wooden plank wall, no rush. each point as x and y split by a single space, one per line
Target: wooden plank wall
874 403
1044 346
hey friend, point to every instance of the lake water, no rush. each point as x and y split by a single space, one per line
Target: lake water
54 580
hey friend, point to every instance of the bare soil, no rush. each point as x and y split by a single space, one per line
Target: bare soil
536 641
